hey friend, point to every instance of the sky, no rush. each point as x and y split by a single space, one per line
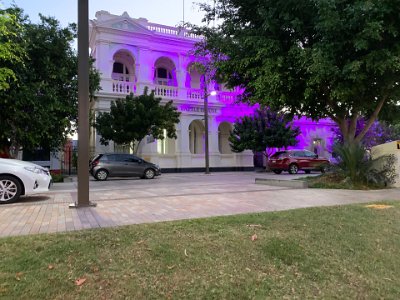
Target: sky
166 12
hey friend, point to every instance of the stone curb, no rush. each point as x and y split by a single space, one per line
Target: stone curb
285 183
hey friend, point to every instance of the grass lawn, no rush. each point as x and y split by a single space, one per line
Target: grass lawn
347 252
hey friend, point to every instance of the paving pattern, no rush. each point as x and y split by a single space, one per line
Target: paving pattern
169 197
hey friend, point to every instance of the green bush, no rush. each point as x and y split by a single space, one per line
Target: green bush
356 166
57 177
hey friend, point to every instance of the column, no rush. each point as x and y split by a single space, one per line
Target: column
144 70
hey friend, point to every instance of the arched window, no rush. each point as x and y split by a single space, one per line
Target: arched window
166 145
120 72
194 78
162 76
196 137
224 131
165 72
123 68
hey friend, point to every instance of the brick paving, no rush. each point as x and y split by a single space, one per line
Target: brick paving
175 198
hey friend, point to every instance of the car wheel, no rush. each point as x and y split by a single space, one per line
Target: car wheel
149 174
10 189
293 169
307 171
277 171
101 175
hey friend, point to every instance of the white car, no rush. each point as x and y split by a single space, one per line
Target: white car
19 178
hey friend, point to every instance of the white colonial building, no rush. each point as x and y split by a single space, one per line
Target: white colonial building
132 54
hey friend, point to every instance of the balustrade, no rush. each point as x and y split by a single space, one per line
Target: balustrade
126 87
227 97
166 91
172 31
123 87
195 94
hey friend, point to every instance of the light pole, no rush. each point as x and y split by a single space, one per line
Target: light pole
206 144
206 148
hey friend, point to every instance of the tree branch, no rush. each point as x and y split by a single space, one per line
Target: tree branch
372 119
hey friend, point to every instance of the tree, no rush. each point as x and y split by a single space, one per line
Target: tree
40 108
337 59
131 119
11 46
263 130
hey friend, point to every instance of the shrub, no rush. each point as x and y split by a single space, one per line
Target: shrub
356 165
57 177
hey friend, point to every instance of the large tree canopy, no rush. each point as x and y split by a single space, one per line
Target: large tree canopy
130 120
319 58
39 106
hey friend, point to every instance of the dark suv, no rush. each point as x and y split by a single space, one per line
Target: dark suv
295 160
107 165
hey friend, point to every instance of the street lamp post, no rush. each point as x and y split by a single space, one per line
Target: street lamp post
206 147
206 143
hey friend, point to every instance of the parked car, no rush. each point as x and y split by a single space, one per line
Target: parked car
107 165
295 160
19 178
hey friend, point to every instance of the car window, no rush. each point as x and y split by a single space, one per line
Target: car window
123 157
112 157
103 158
309 154
298 154
136 159
132 158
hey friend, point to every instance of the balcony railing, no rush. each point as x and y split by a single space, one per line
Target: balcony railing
175 31
227 97
195 94
165 91
123 87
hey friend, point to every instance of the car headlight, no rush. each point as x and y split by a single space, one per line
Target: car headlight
37 170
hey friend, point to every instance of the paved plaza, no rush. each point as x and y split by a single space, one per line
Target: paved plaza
166 198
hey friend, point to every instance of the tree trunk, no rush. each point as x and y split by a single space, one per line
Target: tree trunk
348 129
267 169
135 147
348 126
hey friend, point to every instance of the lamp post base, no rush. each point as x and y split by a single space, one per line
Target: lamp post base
76 205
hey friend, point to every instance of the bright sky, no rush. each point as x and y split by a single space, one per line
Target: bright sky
166 12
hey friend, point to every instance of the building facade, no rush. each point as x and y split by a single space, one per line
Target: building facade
132 54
